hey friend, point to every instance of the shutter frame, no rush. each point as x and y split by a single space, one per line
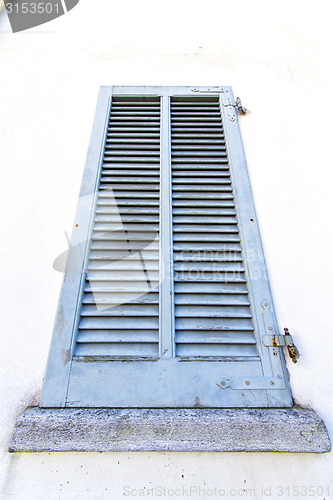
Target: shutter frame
259 288
169 380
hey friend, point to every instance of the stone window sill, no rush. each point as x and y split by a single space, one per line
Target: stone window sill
296 430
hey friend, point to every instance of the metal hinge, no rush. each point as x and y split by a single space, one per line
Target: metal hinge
281 341
238 105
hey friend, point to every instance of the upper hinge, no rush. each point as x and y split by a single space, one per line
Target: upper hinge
281 341
239 106
232 107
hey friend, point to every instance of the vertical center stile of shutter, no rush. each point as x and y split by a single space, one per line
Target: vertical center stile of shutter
167 343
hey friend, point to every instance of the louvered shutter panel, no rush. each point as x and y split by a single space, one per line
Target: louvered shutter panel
172 303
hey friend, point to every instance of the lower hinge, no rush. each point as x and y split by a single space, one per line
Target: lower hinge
281 341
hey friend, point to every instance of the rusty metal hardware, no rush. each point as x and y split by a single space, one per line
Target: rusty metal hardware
292 349
285 340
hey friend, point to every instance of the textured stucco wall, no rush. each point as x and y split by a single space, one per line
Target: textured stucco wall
277 57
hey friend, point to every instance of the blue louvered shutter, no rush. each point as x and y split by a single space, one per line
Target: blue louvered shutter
170 304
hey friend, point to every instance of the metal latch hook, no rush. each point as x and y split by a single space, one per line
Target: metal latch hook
292 349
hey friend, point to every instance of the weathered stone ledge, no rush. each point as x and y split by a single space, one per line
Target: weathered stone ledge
297 430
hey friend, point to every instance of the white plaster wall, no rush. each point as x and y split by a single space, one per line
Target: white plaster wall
277 56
